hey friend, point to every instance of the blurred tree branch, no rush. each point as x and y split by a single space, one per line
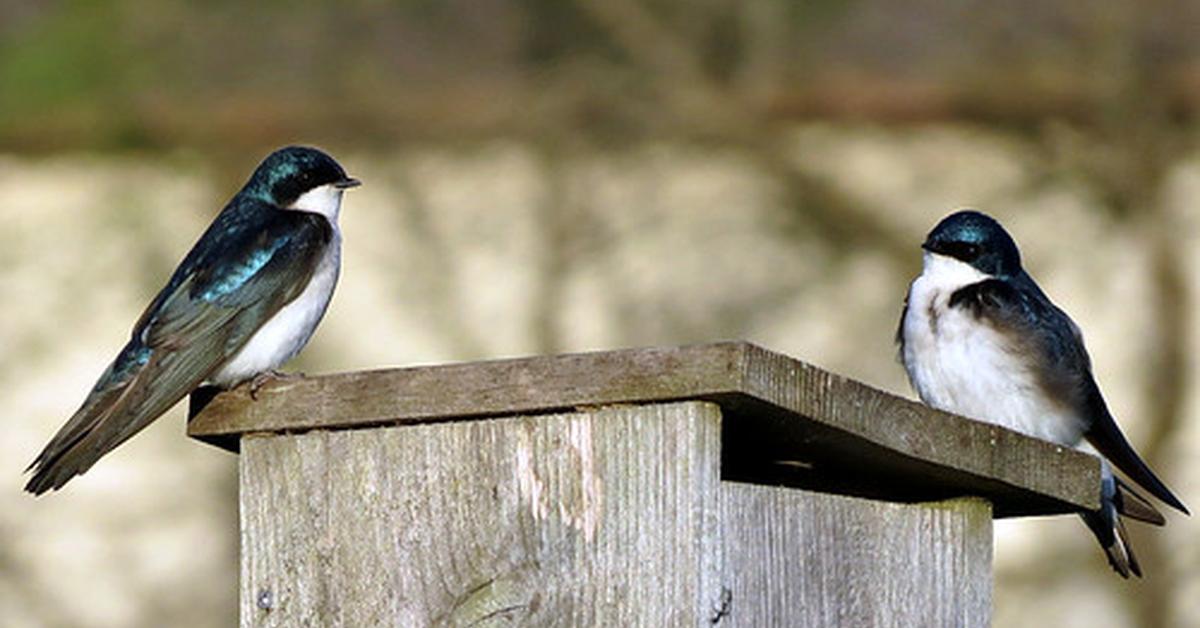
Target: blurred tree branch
699 106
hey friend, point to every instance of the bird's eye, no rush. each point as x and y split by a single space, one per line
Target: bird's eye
965 250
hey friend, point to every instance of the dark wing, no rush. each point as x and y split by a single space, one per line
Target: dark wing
232 282
900 331
1107 438
1065 370
1037 329
996 301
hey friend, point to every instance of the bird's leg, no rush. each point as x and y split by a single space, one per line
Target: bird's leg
270 375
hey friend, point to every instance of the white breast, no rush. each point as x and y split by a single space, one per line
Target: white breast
286 333
963 365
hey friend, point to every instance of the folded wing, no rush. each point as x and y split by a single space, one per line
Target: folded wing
249 264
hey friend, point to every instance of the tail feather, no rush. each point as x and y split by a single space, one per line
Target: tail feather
1127 549
136 389
1118 499
1110 532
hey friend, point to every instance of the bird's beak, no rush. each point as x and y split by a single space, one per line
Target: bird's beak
347 183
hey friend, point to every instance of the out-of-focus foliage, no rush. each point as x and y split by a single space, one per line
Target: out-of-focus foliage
142 73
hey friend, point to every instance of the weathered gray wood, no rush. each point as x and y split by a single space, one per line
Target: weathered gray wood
787 422
796 558
604 517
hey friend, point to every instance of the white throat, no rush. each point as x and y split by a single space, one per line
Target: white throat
325 200
944 273
282 337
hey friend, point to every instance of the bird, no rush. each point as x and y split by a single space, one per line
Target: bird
979 338
245 299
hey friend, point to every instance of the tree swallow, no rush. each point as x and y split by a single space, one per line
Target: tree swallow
245 299
979 338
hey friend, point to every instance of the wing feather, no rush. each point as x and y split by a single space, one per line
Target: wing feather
249 264
1064 368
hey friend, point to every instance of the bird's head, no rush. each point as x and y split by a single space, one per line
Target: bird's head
300 177
975 239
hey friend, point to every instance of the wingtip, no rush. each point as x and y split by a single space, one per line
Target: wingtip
1174 502
54 468
1108 440
38 486
46 479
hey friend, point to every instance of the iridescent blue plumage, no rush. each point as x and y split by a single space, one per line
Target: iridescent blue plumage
237 276
975 235
258 257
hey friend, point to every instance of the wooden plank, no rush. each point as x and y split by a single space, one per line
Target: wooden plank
475 389
795 558
787 422
844 437
606 517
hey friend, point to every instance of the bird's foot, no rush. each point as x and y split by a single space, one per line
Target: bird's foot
263 378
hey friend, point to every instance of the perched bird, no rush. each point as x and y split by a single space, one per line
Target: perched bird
979 338
245 299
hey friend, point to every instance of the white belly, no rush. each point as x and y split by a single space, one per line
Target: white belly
963 365
286 333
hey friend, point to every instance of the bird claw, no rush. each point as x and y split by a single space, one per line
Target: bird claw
263 378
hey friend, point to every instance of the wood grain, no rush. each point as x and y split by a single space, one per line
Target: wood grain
795 558
786 422
605 517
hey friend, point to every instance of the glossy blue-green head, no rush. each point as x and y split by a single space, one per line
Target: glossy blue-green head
976 239
289 172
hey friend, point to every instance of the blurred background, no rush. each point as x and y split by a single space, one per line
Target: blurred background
565 175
